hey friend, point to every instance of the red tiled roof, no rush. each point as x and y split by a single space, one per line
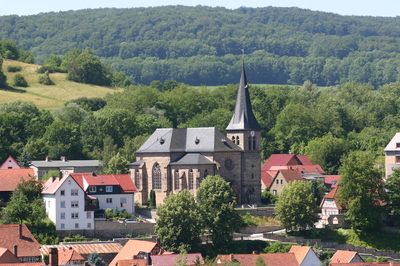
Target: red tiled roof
280 159
276 259
134 247
85 249
27 245
53 184
7 256
124 180
332 195
291 175
332 180
300 252
267 177
170 259
304 159
132 262
343 256
10 178
24 264
389 263
68 255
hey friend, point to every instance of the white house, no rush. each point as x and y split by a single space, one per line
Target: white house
330 206
114 192
67 205
305 256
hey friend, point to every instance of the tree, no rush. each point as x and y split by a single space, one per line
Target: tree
152 199
179 223
19 81
392 186
296 208
23 160
45 79
95 259
361 190
217 205
3 78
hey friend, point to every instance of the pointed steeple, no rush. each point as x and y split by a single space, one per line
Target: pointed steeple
243 117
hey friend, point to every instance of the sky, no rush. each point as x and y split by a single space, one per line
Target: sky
384 8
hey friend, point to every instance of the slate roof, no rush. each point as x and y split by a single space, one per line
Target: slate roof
10 178
243 117
66 163
392 145
27 244
276 259
192 159
170 259
191 140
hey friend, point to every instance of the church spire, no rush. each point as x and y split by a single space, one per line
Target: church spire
243 117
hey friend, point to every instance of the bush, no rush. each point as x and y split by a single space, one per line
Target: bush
50 69
45 79
19 81
14 68
268 198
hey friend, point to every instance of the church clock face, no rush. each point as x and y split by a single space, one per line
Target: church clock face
229 165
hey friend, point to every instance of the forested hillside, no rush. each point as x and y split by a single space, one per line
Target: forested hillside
203 45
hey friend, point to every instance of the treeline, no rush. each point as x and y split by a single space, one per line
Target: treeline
326 124
202 45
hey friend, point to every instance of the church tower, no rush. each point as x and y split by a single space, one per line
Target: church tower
245 132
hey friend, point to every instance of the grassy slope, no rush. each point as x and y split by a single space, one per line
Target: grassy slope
47 97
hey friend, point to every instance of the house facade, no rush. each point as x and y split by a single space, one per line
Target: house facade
64 166
67 204
173 159
10 163
392 155
283 178
330 206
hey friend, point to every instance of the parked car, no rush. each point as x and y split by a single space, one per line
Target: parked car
131 221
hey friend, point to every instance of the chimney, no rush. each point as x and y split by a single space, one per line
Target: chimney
15 247
231 257
63 158
20 231
255 252
47 159
158 241
53 257
148 259
53 178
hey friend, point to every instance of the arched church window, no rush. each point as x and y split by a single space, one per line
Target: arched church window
205 173
250 141
191 179
156 176
237 140
233 139
176 177
137 179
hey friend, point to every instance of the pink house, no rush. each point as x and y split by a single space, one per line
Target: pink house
10 163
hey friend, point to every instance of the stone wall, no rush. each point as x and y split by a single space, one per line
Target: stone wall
111 229
263 211
148 213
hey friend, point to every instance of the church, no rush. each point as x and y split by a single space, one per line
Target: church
173 159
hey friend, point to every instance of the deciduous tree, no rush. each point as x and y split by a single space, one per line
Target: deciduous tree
179 224
296 208
361 190
217 202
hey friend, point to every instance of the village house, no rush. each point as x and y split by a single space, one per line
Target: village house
10 178
138 249
10 163
71 200
345 256
330 206
64 166
18 239
173 159
67 204
392 154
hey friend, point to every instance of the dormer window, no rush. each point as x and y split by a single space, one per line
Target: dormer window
109 189
398 145
92 188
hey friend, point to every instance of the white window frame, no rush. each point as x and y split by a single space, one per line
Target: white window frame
109 188
92 189
75 215
75 204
